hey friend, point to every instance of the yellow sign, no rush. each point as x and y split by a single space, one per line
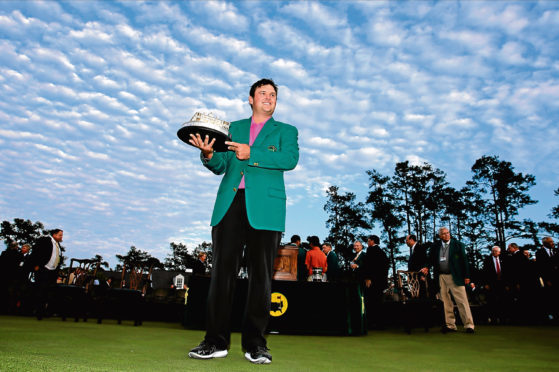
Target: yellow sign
279 304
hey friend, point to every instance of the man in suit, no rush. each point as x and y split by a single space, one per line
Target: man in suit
357 262
199 267
44 261
418 254
494 284
375 280
447 257
332 261
547 264
301 257
249 213
417 261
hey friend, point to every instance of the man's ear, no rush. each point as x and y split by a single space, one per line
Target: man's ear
250 100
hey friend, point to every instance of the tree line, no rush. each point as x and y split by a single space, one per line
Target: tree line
418 199
415 199
23 231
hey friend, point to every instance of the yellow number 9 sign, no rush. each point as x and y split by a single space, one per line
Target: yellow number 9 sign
279 304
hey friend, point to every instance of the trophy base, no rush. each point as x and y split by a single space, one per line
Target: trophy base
220 137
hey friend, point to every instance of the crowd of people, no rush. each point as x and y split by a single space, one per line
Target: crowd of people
513 287
18 266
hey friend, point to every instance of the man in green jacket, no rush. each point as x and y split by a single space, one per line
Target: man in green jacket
451 271
249 212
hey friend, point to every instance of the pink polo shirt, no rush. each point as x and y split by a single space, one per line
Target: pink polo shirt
255 129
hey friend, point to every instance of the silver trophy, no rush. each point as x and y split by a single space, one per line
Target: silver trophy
206 124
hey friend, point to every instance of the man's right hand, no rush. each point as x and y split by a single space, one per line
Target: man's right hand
205 145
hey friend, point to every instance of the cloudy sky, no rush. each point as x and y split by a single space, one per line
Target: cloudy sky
93 93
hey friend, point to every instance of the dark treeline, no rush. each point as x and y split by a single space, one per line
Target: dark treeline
23 231
415 199
418 199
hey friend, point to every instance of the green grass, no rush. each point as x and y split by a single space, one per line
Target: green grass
53 345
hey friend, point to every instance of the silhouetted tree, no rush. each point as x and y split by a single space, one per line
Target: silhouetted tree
136 258
504 191
346 218
21 231
179 259
384 206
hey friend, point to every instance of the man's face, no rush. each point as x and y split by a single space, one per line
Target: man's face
548 243
203 258
409 242
444 235
264 100
357 246
512 248
58 236
25 249
496 252
326 249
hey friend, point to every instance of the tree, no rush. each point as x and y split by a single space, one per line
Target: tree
504 191
137 258
21 231
552 227
99 258
179 259
383 208
346 218
420 189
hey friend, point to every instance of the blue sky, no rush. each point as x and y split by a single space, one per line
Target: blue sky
93 93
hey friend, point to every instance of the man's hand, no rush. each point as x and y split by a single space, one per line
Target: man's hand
425 271
242 150
368 283
205 145
353 266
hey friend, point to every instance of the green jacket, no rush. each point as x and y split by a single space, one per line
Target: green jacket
457 261
274 151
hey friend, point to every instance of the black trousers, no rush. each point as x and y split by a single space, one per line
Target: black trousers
230 237
45 280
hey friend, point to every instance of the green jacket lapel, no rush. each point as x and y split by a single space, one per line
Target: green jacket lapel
268 128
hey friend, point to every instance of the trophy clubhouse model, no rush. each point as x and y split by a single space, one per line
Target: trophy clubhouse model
206 124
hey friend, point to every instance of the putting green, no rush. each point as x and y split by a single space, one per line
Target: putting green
27 344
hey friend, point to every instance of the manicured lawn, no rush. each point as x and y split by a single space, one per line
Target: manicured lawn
53 345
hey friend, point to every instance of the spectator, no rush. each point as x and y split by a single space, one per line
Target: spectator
301 257
451 271
494 285
375 278
199 267
357 261
45 260
332 262
418 254
9 271
547 261
315 258
417 261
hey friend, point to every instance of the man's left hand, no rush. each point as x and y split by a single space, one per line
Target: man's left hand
242 150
